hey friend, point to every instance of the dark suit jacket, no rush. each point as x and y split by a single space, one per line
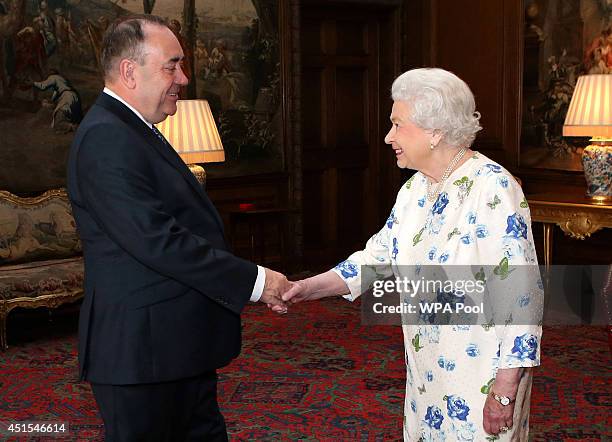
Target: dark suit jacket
163 295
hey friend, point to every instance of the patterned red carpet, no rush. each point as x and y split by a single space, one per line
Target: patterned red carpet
314 374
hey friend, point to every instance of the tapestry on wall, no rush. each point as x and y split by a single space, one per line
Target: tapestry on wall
50 77
563 39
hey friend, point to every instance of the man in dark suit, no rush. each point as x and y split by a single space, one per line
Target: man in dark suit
163 295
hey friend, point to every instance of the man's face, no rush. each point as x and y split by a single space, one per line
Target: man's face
160 78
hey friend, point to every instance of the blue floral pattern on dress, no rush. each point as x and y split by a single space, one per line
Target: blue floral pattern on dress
481 231
446 364
441 362
493 168
347 269
466 239
440 204
392 219
472 350
524 300
434 417
395 249
456 407
516 226
525 347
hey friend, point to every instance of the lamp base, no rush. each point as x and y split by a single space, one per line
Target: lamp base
597 164
199 172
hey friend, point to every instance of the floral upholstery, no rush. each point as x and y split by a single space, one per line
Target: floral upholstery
38 228
40 278
41 263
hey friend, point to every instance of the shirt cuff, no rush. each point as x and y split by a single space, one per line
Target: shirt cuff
260 282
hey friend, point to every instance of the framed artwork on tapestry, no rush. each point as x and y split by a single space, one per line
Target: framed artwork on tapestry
50 77
563 39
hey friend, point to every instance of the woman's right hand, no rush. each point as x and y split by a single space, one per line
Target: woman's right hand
317 287
298 292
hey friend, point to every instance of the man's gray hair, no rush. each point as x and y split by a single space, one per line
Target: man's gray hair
125 38
439 101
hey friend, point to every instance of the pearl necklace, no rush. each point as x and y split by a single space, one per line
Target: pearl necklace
432 194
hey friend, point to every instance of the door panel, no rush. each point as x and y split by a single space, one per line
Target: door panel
345 161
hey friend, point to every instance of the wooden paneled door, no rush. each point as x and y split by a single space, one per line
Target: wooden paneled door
350 56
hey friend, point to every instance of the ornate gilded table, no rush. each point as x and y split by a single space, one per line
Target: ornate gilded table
576 215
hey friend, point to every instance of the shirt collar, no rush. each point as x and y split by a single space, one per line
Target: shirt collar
117 97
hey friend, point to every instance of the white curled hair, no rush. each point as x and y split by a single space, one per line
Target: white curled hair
439 101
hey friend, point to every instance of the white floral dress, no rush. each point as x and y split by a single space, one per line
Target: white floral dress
480 217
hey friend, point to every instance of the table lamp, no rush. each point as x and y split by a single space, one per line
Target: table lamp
193 134
590 115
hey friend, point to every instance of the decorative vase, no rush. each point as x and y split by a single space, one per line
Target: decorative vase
597 164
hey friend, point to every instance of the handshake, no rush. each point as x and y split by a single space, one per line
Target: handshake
279 292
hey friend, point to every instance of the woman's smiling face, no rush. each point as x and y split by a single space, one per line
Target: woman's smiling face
409 142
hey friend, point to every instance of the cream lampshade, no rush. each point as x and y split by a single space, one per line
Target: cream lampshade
193 134
590 115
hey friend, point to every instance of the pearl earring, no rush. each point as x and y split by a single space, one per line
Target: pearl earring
431 145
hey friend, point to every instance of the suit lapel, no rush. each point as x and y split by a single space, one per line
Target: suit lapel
162 148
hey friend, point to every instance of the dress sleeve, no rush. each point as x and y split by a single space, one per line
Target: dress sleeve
513 281
372 263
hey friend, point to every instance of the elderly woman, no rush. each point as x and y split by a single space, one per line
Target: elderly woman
465 382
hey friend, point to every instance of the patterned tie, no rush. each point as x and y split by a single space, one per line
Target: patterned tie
159 135
174 153
171 149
